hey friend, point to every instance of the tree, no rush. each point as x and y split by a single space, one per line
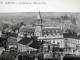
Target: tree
22 23
74 21
3 43
71 33
6 26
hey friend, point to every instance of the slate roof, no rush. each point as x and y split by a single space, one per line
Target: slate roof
2 39
45 30
36 44
25 40
27 29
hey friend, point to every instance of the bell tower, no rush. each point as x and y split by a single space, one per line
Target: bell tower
38 25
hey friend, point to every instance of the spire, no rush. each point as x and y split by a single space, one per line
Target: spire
39 15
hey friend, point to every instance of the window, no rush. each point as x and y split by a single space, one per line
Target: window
40 34
60 30
61 41
45 35
44 31
49 42
21 32
78 41
53 41
49 34
53 34
61 45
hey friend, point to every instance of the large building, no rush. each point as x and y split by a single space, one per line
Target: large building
49 34
72 43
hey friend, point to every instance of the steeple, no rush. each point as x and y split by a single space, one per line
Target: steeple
39 15
38 25
38 20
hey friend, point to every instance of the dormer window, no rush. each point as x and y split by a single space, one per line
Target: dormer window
53 41
53 34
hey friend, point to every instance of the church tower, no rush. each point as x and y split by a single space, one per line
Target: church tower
38 25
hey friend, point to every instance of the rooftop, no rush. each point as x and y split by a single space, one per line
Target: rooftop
36 44
25 40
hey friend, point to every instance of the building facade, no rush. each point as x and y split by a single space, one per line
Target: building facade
12 43
23 44
72 43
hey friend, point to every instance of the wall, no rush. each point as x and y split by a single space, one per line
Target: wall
22 48
56 41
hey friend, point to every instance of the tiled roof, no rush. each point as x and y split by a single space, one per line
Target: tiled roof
25 40
2 39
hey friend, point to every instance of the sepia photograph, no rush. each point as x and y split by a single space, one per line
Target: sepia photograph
40 30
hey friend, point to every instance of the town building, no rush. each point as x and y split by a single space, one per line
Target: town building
50 34
72 43
23 44
12 43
